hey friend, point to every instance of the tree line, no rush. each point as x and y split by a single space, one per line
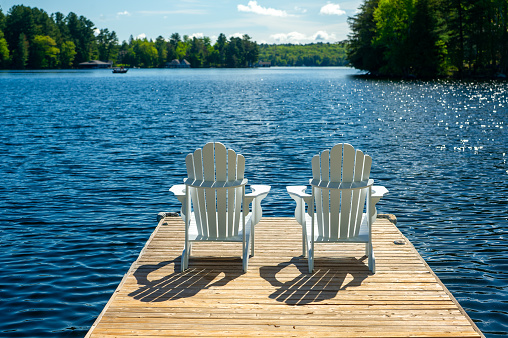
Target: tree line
233 53
30 38
429 38
314 54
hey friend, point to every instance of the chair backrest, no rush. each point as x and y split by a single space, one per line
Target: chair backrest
217 187
339 211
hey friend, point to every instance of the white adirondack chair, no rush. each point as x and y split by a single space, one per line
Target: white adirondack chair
215 206
341 205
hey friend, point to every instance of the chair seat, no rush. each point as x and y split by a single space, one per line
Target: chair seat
363 235
195 236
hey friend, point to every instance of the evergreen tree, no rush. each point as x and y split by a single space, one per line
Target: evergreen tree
21 53
362 53
81 31
107 45
162 51
4 51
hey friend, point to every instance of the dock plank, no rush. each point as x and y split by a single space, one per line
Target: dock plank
277 297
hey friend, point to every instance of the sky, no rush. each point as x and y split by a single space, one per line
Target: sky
280 21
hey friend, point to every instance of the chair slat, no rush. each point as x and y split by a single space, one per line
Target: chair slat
189 163
367 164
325 196
231 192
199 203
336 163
356 208
210 198
231 165
335 176
238 196
221 175
240 167
316 170
348 162
211 213
220 162
198 164
208 162
334 213
239 192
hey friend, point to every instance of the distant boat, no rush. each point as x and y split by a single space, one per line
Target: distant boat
120 70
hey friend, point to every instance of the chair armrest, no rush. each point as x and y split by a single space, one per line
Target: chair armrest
297 191
378 191
179 191
258 190
301 198
255 197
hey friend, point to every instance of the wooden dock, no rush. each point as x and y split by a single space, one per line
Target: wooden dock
277 297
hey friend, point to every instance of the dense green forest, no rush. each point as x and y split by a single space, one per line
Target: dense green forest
30 38
429 38
314 54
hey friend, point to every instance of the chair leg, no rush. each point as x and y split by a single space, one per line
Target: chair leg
372 259
252 239
245 258
310 261
304 251
304 242
183 263
185 256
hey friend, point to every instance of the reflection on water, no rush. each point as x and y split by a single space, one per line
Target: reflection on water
88 156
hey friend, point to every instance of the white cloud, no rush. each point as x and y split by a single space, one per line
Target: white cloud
293 37
123 13
296 37
236 35
331 9
253 7
96 31
301 10
324 36
197 35
141 36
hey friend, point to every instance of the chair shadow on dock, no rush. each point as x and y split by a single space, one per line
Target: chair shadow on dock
325 283
176 285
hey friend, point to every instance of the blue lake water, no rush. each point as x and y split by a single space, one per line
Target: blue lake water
87 158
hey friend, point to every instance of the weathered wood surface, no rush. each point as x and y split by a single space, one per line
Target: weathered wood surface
277 297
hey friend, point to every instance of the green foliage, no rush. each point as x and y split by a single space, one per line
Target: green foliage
81 32
37 40
21 53
314 54
362 53
44 52
67 54
4 51
238 52
107 45
428 38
